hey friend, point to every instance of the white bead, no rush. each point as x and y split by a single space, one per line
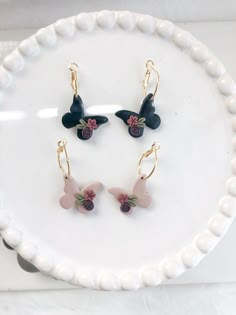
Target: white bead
1 98
14 62
227 206
12 236
191 256
172 268
43 262
146 24
226 85
234 123
63 272
215 68
234 143
205 242
231 104
129 281
4 220
29 47
231 186
27 251
219 224
165 29
106 19
85 22
46 36
108 281
233 164
85 279
199 53
182 39
126 21
64 28
5 78
152 276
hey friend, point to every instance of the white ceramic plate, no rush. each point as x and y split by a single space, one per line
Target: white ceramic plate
194 185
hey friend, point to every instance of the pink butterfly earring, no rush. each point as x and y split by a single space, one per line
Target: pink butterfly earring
82 199
139 195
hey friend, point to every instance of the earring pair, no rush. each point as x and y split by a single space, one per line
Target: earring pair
83 199
136 122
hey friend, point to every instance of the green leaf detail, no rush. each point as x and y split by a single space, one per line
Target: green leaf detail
83 122
80 126
132 203
142 120
132 198
141 124
79 197
79 202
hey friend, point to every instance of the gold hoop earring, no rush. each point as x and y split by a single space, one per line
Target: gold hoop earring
83 198
139 195
153 150
146 116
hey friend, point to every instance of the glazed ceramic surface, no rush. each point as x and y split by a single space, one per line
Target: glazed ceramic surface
193 189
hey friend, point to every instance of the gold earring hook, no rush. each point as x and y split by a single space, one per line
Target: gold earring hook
62 149
149 69
155 146
73 67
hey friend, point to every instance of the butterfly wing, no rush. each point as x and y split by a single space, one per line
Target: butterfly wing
147 111
116 192
125 114
144 198
135 130
95 186
70 189
70 120
127 201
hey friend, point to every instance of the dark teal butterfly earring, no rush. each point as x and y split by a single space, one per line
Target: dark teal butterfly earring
146 116
76 118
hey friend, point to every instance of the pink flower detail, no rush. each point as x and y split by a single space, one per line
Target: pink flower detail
89 195
91 124
132 121
123 198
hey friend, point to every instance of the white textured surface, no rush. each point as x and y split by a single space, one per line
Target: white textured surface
164 300
19 14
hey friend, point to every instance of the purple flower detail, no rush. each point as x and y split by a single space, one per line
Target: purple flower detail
88 205
125 207
136 130
87 132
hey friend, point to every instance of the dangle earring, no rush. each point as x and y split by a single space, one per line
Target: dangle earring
82 199
146 116
139 196
75 118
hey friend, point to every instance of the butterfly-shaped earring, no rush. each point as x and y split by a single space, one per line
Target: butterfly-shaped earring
139 195
146 116
82 199
76 118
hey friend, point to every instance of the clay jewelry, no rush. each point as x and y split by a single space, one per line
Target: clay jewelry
139 196
146 116
85 124
82 199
